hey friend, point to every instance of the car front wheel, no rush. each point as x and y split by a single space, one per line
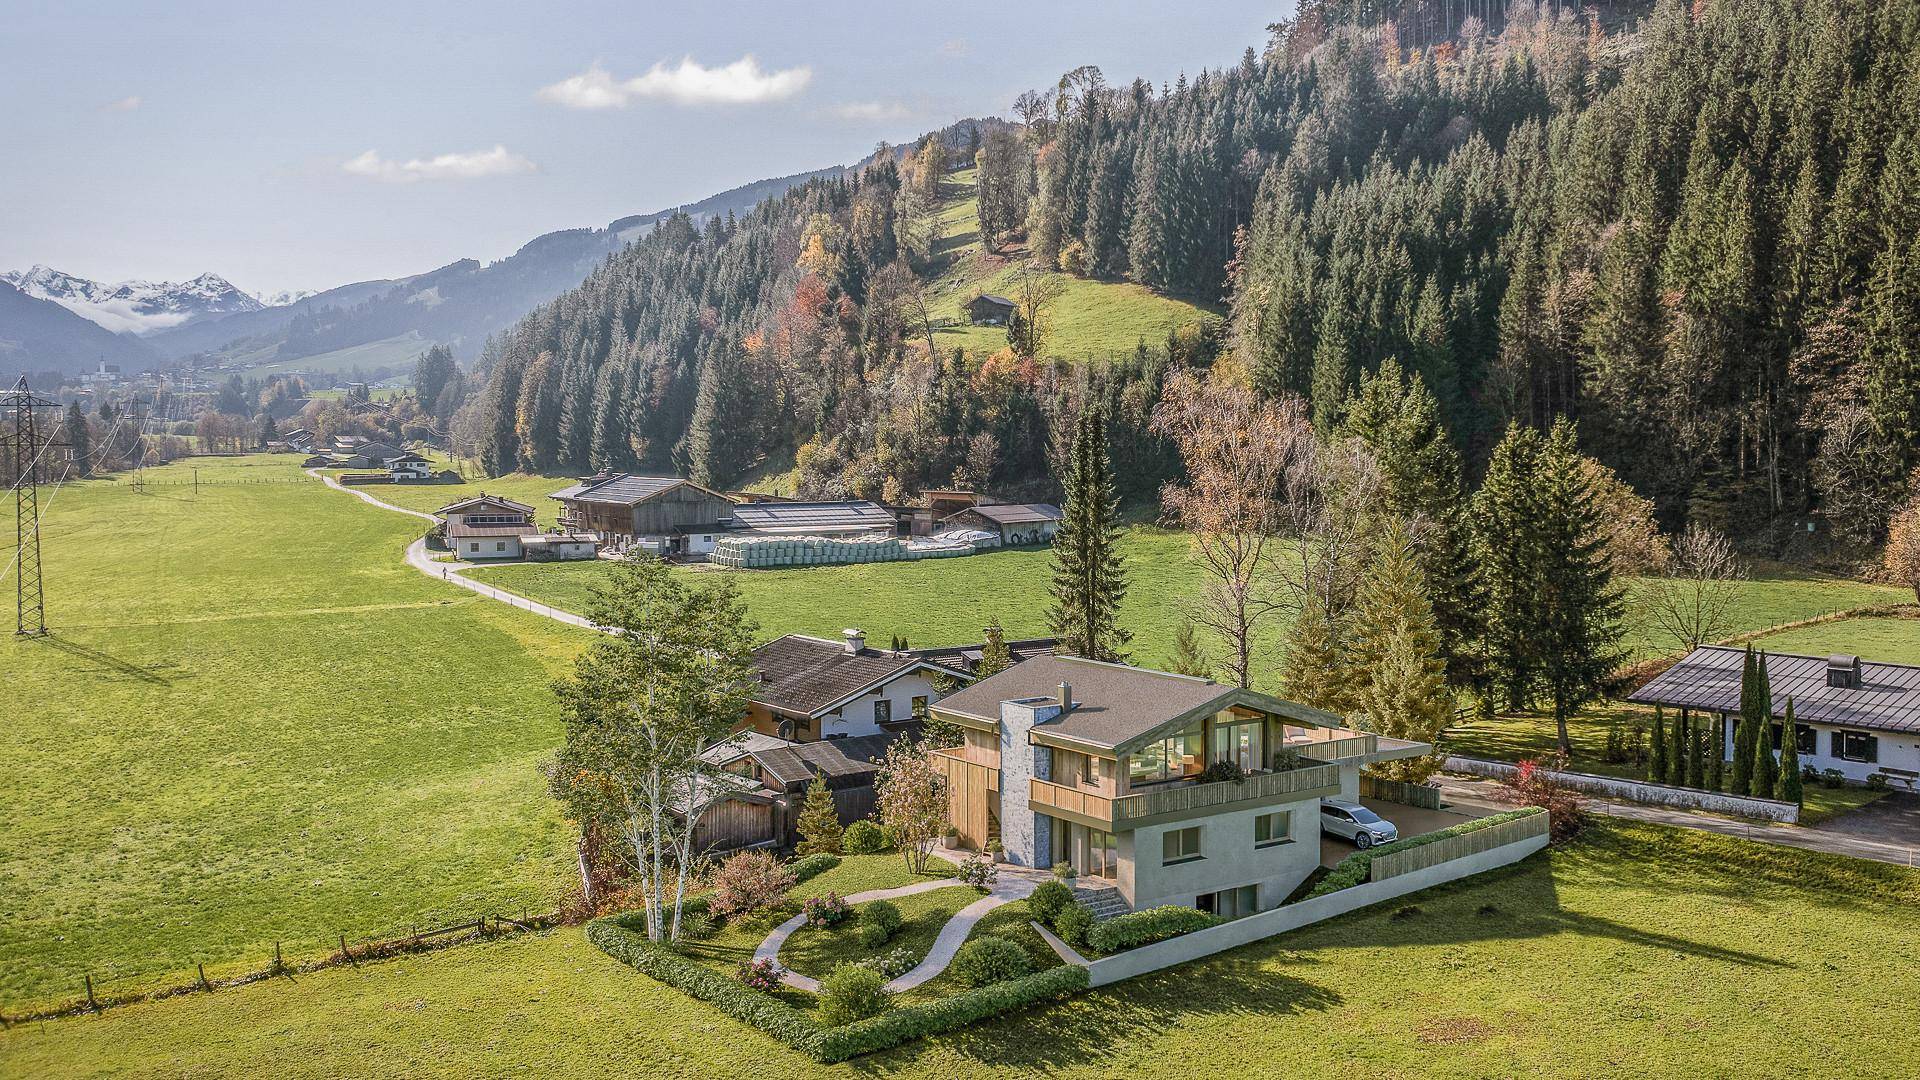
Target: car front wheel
1363 841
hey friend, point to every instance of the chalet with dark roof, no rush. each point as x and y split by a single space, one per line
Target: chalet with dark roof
487 526
990 310
1860 717
1013 523
814 688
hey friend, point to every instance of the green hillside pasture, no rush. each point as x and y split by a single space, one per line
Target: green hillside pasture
533 489
394 352
1893 639
254 724
1640 951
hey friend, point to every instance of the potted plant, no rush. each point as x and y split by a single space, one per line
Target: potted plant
952 838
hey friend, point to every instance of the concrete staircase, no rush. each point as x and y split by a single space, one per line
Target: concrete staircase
1104 901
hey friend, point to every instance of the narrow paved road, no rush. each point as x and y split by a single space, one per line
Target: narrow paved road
1478 792
454 572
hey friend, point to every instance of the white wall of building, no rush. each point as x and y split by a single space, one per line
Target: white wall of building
1228 858
858 717
489 547
1892 750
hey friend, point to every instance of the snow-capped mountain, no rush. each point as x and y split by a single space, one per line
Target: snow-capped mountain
283 297
135 307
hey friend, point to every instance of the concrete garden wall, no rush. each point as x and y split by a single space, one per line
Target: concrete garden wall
1640 791
1179 950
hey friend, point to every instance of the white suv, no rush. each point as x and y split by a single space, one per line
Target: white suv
1348 819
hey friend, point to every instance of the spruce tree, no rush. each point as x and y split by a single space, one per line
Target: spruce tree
819 824
1505 544
1188 656
1315 668
1396 647
79 440
1657 764
1579 603
1789 789
994 656
1089 573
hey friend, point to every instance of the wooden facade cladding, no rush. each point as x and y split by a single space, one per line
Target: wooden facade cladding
1078 804
681 509
737 823
973 790
1356 746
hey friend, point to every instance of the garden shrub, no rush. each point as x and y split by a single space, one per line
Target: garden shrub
1832 778
825 911
883 914
1072 923
892 964
1356 868
762 975
1146 927
812 866
864 838
697 925
1064 871
1048 899
989 960
851 992
870 936
748 882
1877 781
917 1021
1532 785
978 872
1222 771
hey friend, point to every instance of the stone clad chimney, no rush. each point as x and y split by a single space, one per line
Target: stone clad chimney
856 639
1027 836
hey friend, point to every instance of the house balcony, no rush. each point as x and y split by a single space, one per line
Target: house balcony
1182 799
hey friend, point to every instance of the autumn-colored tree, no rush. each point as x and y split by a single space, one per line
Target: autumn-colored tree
1237 449
1903 542
912 799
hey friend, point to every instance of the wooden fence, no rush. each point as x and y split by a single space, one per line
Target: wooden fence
1424 796
1392 864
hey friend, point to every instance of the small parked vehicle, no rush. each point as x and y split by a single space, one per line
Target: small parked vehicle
1351 821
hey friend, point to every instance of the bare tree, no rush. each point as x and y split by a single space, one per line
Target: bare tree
1034 294
1692 600
1238 450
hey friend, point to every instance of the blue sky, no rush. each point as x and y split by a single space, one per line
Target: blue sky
306 146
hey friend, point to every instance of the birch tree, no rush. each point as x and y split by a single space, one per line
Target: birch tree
672 678
1692 600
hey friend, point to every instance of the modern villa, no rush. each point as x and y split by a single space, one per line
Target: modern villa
1101 766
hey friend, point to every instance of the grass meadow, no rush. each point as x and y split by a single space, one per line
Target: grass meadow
252 725
1637 951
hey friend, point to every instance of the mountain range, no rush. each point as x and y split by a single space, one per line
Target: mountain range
50 320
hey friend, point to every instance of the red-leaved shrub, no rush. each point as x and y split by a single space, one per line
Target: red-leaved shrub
1533 785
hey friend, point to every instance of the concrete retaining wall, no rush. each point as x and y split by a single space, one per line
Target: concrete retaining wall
1614 787
1163 954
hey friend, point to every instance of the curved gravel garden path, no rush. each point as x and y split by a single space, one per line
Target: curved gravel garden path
1014 883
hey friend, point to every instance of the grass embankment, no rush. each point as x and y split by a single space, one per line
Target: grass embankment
255 724
1091 320
1641 951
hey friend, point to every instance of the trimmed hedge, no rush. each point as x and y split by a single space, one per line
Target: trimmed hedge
800 1031
1146 927
1356 868
764 1011
918 1021
812 866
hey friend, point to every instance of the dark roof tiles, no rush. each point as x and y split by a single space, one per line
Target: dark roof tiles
1888 698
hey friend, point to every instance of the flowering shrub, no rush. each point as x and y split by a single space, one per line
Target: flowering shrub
824 911
978 872
893 963
761 974
1533 785
748 882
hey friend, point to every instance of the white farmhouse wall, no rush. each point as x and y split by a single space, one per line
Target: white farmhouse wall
857 716
488 547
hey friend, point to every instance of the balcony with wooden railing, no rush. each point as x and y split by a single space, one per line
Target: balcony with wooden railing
1181 797
1346 746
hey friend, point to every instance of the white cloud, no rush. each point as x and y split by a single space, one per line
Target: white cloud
742 82
955 47
125 104
498 161
872 111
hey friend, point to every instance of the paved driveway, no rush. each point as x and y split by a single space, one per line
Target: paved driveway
1894 819
1411 820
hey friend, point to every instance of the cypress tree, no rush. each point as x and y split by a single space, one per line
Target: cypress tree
819 824
1765 771
1789 789
1717 757
1089 573
1677 751
1743 732
1657 765
1697 757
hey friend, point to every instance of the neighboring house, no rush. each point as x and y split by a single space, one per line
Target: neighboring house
783 769
735 813
812 688
665 515
990 310
967 657
367 455
847 518
1014 523
409 466
487 527
1098 765
1860 717
299 438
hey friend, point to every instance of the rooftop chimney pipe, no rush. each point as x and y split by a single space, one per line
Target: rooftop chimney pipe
856 639
1066 697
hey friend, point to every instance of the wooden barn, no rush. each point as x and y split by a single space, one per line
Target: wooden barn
990 310
663 515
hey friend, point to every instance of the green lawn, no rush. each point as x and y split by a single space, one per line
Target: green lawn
1893 639
1640 951
395 352
817 951
254 724
1092 320
532 489
1774 594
